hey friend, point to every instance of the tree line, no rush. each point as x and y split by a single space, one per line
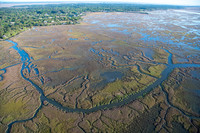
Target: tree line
19 18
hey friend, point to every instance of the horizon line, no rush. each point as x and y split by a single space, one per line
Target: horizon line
99 2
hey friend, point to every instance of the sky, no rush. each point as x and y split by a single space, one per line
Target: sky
169 2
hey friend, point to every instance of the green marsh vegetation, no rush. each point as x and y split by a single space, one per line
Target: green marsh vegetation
21 18
94 65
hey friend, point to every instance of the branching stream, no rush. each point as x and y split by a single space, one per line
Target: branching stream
26 61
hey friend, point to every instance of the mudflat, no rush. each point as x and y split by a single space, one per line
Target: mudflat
111 73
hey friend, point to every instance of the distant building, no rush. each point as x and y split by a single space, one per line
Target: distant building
4 36
12 23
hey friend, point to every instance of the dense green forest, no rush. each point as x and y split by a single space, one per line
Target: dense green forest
16 19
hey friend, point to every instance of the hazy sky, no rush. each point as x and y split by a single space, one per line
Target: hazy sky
171 2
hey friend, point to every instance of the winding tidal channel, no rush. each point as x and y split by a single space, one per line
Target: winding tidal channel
26 61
